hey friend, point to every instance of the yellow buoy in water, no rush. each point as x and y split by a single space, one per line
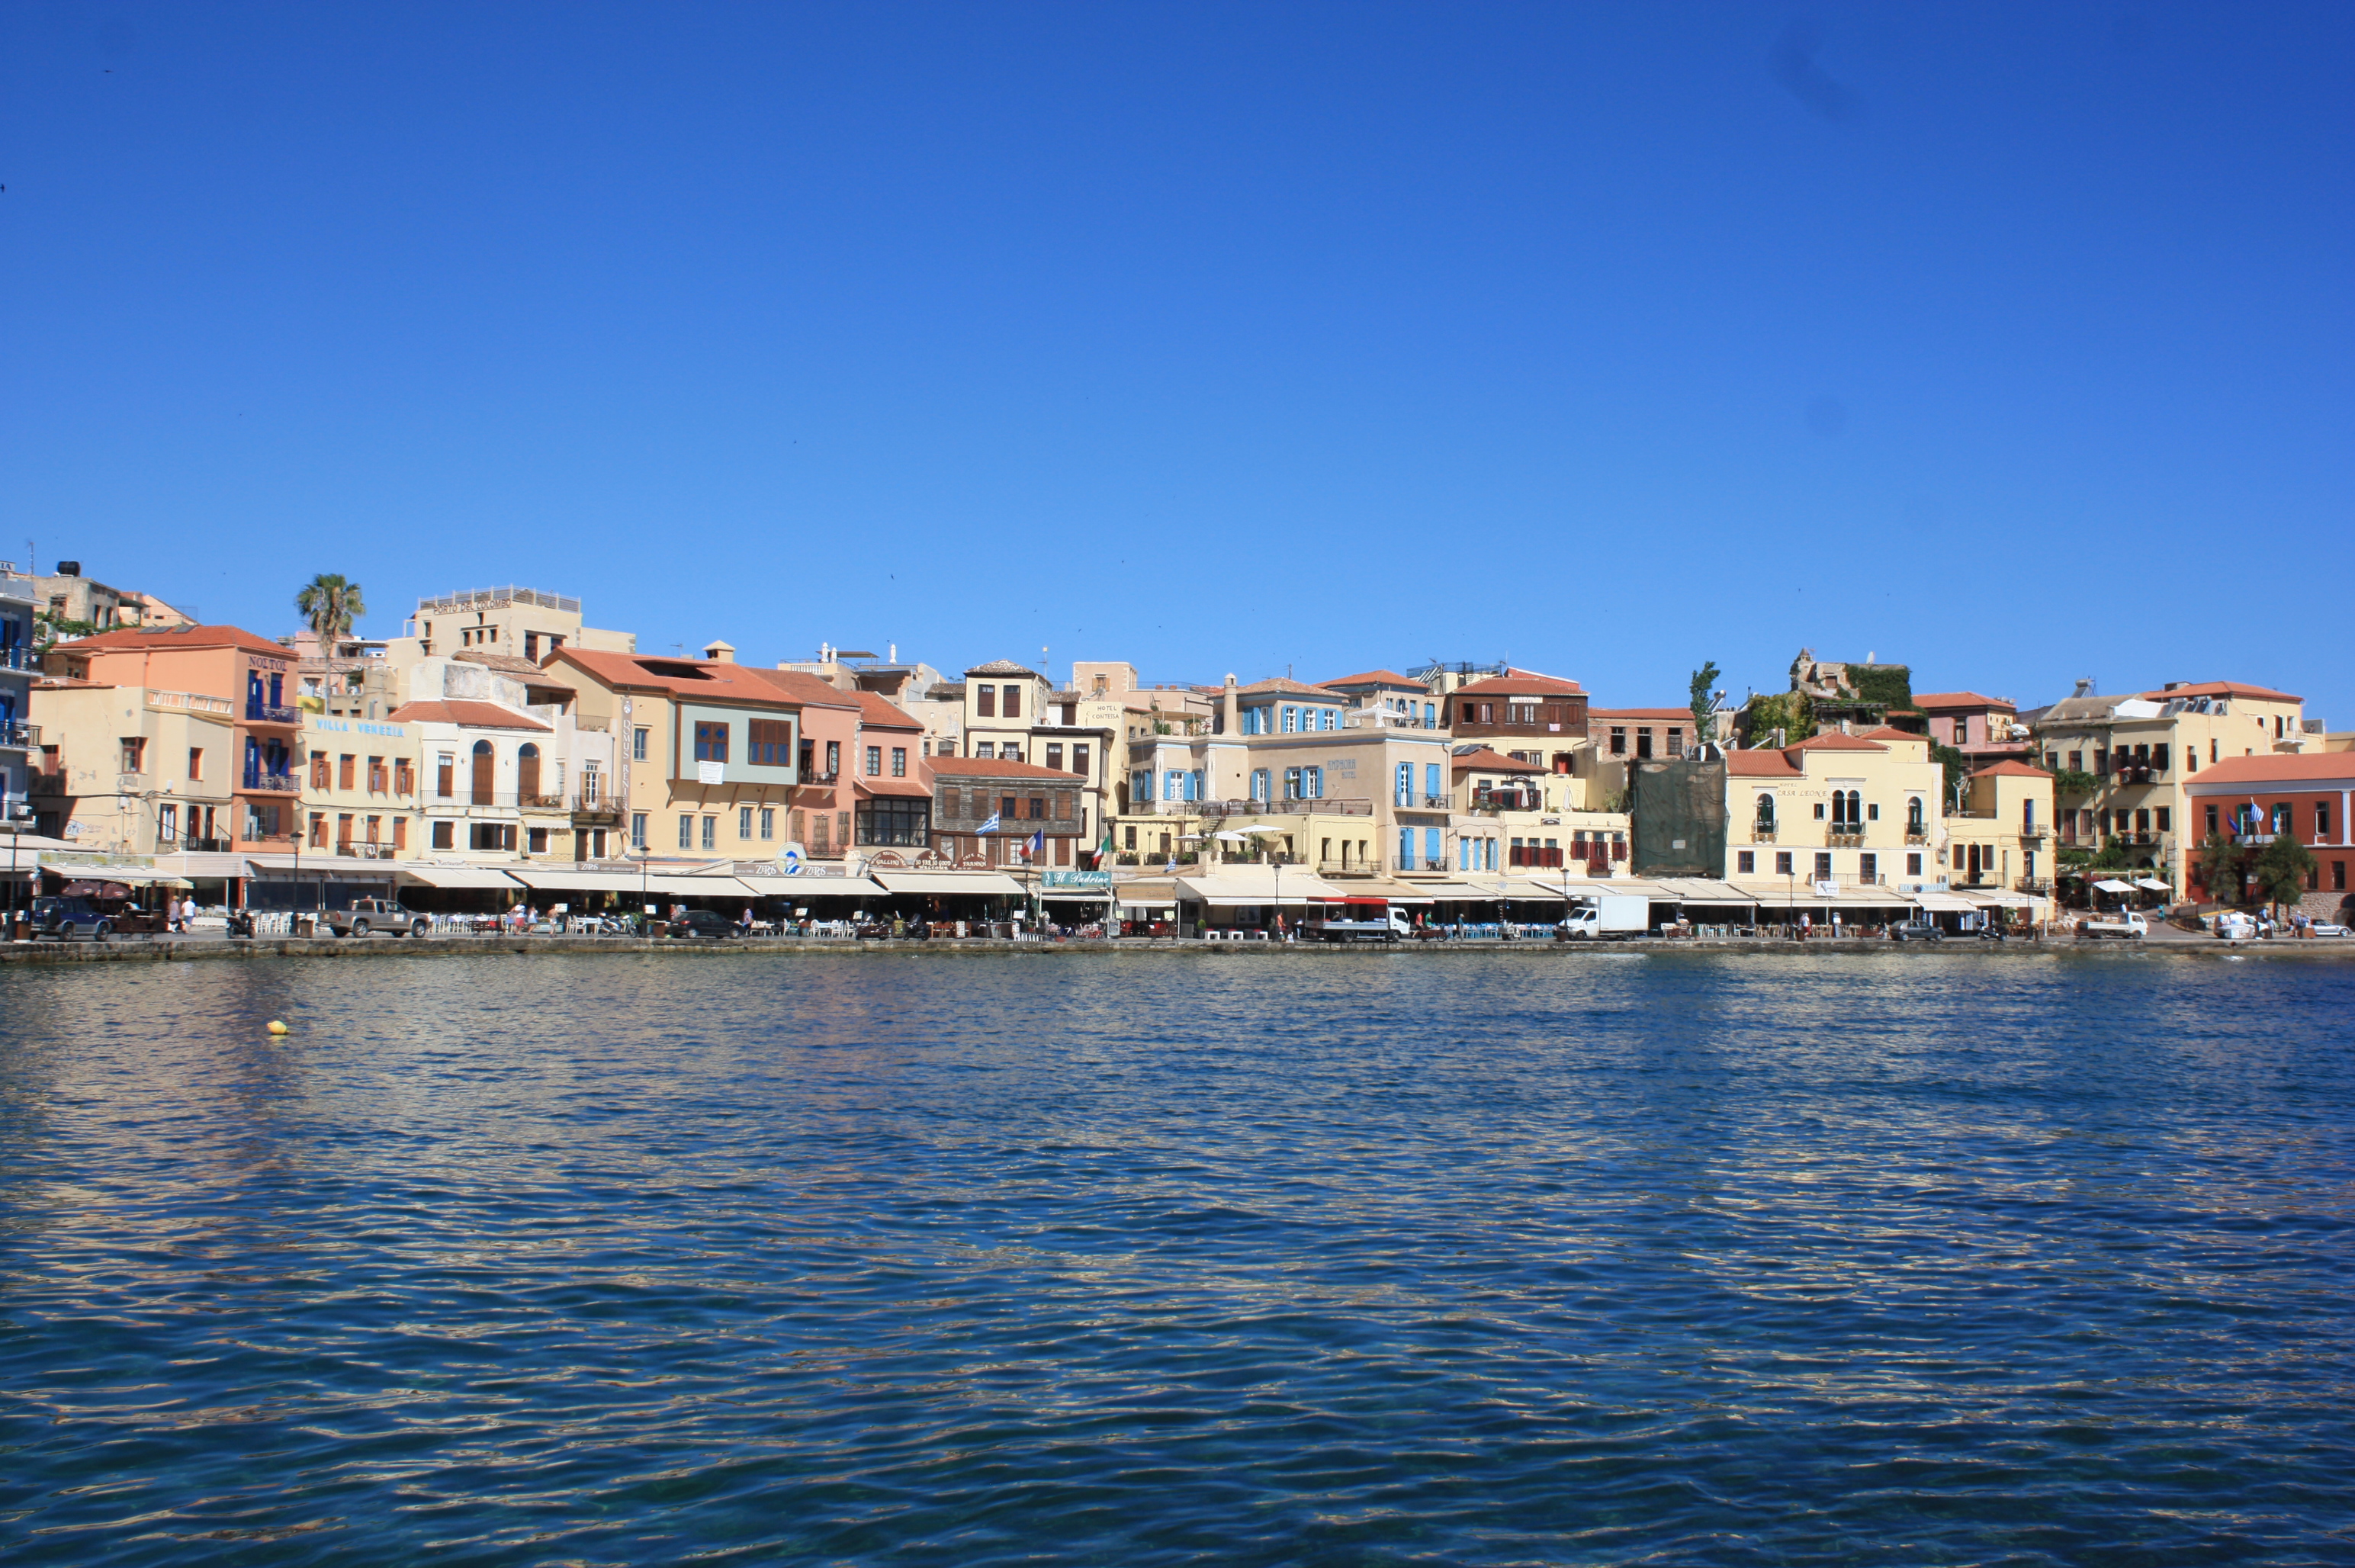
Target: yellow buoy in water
277 1028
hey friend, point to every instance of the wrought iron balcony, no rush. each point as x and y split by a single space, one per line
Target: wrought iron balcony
272 713
263 780
20 655
26 736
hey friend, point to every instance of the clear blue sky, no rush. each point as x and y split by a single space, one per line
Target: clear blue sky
2010 343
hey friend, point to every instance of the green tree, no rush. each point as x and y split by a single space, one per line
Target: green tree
1702 691
330 604
2223 867
2282 868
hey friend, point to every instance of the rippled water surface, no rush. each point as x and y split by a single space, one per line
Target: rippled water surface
1384 1258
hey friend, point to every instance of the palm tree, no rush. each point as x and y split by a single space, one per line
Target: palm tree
330 604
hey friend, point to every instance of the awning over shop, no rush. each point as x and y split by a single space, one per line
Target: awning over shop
1704 891
1802 899
1147 892
811 887
1458 893
540 880
1388 891
1945 903
456 877
1244 887
950 884
1553 887
128 878
2111 885
2002 899
677 886
2153 884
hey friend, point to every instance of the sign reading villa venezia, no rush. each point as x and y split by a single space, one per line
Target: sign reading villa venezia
499 729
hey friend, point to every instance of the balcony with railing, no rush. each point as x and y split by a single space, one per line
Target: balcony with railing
1413 802
1762 832
171 844
262 780
20 655
1844 836
271 713
1366 865
365 851
22 737
1495 801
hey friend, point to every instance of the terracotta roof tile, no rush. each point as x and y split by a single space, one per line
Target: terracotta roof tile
1835 741
1685 713
2011 770
1523 681
997 768
696 679
1926 701
1760 764
140 638
1278 685
2274 768
460 711
1380 677
2218 689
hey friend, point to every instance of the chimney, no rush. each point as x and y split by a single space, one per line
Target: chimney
1230 712
720 652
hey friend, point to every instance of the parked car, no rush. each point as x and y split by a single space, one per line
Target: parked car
63 918
702 922
2329 928
367 916
1916 931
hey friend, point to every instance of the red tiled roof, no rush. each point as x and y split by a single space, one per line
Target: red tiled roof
997 768
139 637
912 786
1380 677
706 678
1639 713
1496 762
1524 680
1925 701
800 685
1835 741
2274 768
876 709
458 711
1286 684
1761 764
2009 770
2220 688
1886 733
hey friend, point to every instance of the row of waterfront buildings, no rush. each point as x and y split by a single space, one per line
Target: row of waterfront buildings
502 745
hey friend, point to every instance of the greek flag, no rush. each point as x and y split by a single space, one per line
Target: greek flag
990 826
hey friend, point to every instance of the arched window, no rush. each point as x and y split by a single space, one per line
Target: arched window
1914 823
1856 808
526 771
483 773
1766 813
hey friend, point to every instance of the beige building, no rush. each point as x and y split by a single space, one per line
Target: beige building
66 596
137 770
1850 811
2122 765
509 766
1514 815
2002 837
360 787
515 622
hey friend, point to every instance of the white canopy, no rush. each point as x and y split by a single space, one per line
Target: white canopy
1240 887
457 876
540 877
2154 884
811 887
946 883
1945 903
2111 885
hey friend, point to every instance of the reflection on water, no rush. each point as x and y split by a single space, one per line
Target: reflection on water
1461 1258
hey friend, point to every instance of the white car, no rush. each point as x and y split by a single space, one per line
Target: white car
2234 926
2329 928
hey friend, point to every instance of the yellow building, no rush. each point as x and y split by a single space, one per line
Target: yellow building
1854 811
1511 814
2122 765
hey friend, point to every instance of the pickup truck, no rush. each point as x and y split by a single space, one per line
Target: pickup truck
2128 925
1385 924
368 915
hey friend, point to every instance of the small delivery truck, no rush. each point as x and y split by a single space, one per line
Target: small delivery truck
2127 924
1605 916
1361 923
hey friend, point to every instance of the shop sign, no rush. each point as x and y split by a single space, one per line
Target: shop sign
1097 881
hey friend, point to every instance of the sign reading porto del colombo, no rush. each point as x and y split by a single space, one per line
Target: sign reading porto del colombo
1099 881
